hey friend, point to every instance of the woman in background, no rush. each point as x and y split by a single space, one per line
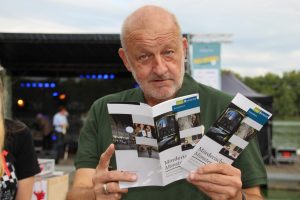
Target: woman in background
18 161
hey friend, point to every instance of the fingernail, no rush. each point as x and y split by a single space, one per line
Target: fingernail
192 176
133 177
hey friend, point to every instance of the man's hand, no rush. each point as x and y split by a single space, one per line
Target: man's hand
218 181
105 182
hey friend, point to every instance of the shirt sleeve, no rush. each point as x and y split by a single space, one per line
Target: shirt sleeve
87 155
26 159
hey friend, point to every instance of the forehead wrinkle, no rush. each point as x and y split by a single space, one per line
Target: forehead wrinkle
150 39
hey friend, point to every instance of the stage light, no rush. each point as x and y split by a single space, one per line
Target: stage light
62 96
37 84
52 85
53 137
21 103
112 76
99 76
55 94
94 76
105 76
87 76
81 76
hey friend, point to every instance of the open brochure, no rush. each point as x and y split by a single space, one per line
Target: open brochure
229 135
153 141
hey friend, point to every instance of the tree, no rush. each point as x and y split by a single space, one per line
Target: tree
285 91
285 101
292 79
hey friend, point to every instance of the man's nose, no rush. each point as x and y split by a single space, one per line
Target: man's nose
160 66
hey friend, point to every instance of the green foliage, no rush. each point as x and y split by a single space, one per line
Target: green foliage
285 91
293 80
285 101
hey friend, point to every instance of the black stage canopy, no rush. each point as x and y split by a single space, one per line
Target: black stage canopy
232 85
29 54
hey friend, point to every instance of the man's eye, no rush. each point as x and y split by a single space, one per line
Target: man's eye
169 52
143 57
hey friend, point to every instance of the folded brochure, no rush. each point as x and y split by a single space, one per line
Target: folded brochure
153 141
229 135
161 144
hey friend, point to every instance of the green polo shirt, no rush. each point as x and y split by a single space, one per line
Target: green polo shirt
96 136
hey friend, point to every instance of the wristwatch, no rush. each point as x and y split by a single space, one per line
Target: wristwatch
243 195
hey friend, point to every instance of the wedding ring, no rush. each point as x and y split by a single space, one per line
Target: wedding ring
105 188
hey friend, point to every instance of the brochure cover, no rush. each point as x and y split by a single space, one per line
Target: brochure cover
229 135
153 141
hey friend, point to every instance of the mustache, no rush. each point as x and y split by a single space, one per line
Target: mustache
160 78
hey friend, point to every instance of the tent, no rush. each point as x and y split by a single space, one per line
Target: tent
30 54
232 85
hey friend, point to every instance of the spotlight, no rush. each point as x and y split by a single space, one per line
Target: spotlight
112 76
21 103
28 85
52 85
62 96
53 137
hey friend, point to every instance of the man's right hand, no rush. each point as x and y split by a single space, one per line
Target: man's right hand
105 182
89 183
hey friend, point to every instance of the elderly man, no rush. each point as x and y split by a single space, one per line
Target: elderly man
153 50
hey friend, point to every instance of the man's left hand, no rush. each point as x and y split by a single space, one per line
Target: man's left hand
218 181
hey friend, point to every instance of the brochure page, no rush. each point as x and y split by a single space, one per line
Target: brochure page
153 141
229 135
178 128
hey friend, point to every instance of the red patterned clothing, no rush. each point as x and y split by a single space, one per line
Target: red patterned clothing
19 161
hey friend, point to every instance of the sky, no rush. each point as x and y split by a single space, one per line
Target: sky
265 33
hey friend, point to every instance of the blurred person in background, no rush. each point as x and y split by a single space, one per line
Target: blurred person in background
61 124
18 161
45 127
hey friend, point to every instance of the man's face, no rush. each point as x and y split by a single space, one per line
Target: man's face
156 62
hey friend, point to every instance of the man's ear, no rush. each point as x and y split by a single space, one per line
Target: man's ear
123 56
185 46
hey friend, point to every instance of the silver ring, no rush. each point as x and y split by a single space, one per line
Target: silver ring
105 190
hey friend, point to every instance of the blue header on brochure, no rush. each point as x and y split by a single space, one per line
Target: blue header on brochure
186 104
258 115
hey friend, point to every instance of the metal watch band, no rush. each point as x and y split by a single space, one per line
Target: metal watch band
243 195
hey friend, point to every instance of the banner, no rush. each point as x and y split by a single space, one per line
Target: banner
206 63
